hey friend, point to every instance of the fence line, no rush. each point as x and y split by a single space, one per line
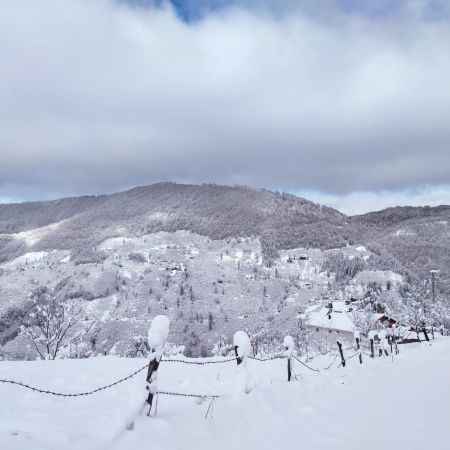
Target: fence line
176 361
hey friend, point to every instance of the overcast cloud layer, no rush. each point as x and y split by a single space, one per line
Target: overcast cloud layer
97 96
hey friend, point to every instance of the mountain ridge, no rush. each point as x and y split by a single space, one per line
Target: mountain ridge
416 237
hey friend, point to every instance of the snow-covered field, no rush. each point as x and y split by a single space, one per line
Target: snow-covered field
402 403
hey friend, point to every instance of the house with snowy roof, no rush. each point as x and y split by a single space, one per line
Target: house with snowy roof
330 323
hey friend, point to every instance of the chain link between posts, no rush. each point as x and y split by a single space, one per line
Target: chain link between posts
306 365
121 380
167 393
77 394
198 363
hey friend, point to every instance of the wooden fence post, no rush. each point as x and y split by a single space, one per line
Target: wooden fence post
289 346
157 337
152 375
341 353
238 358
358 348
372 348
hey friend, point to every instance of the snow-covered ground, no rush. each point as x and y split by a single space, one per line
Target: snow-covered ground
402 403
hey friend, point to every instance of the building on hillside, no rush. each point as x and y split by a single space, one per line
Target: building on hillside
384 320
330 323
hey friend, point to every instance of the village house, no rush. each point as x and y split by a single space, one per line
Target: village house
337 321
330 323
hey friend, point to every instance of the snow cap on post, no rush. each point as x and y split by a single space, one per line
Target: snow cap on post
289 345
241 342
158 332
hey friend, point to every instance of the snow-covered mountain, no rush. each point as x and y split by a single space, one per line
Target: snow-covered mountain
219 212
214 258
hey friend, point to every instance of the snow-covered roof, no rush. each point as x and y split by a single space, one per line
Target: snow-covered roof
340 319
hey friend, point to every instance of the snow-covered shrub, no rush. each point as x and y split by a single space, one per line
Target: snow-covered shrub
49 322
171 349
289 345
221 347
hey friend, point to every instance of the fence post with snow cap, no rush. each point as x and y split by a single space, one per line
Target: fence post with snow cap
157 337
289 347
341 353
242 346
242 349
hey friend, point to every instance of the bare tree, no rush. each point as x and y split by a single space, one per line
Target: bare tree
48 323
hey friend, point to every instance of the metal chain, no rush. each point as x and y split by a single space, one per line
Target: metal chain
78 394
115 383
198 363
354 354
306 365
181 394
271 358
332 362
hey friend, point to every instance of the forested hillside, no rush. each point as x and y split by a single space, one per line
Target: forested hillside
215 259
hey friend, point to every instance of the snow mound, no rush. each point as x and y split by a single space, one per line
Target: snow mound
158 332
289 345
242 342
288 342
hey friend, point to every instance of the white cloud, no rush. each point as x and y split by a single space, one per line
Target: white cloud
96 96
362 202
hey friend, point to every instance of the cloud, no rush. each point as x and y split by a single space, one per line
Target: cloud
97 96
192 10
362 202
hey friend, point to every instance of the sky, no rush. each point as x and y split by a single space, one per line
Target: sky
344 102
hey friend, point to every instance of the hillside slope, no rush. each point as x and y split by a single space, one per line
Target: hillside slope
219 212
417 237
